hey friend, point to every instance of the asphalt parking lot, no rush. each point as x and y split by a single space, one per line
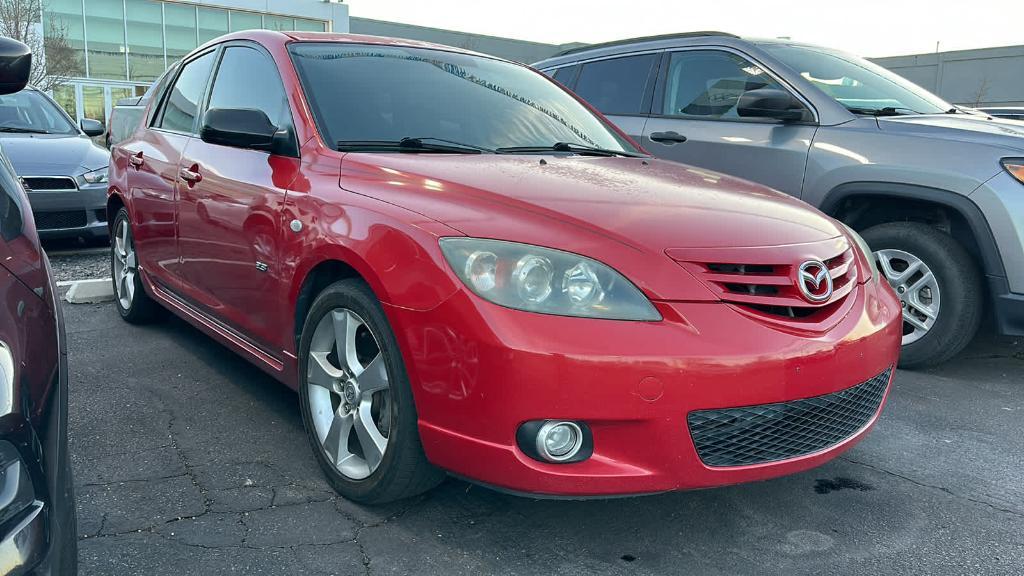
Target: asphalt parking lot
190 461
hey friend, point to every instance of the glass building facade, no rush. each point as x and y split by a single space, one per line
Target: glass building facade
122 46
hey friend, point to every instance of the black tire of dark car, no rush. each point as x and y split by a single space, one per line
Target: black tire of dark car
142 308
958 279
404 470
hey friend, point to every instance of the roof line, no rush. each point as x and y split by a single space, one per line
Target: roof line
644 39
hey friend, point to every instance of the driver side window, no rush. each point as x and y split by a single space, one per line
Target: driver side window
708 83
247 78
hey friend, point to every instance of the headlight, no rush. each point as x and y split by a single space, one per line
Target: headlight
865 250
543 280
1015 166
96 176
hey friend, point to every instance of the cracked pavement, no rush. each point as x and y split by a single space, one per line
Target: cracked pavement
188 460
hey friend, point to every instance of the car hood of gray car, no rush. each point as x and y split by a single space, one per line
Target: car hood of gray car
53 154
959 127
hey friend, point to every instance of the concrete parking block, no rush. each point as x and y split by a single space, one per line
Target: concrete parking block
90 291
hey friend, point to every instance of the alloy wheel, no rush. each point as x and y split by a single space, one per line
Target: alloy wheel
349 393
917 288
125 264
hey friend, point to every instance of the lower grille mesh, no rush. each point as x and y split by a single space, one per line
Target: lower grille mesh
771 432
60 220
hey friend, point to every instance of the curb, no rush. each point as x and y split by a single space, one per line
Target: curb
90 291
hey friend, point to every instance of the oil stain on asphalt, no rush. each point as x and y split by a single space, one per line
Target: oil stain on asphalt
825 486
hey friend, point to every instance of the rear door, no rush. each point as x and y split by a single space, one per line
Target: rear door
229 228
150 160
620 87
694 120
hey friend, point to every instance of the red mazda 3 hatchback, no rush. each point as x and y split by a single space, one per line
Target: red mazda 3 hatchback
462 267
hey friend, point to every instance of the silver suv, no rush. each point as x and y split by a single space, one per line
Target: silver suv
936 190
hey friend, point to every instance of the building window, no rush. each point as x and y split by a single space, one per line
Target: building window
213 22
145 39
65 16
65 96
104 29
279 23
179 30
303 25
245 21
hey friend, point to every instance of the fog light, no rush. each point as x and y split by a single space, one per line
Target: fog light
559 441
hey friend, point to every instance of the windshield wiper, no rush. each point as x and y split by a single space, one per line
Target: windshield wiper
15 129
426 144
569 147
887 111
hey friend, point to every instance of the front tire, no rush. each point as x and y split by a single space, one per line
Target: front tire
134 305
356 400
939 287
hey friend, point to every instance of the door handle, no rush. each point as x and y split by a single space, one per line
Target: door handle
136 160
190 175
667 137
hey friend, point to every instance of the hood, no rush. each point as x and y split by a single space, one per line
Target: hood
965 128
53 154
649 204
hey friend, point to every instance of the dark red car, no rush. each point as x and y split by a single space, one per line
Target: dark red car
38 530
461 267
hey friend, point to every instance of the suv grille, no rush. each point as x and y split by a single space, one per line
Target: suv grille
39 183
59 220
771 432
769 287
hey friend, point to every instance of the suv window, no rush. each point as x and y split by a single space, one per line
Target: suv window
247 78
709 83
182 104
565 75
618 85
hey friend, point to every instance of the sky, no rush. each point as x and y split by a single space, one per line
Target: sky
865 27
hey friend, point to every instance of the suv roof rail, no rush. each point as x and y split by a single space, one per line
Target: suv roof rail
644 39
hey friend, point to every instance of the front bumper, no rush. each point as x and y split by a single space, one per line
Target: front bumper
478 371
71 213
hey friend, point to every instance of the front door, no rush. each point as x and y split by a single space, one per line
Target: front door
230 199
694 121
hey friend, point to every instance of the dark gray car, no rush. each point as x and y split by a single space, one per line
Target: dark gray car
937 192
64 172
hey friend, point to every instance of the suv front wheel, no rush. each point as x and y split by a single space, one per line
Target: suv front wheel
938 285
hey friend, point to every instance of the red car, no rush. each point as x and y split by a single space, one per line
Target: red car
463 268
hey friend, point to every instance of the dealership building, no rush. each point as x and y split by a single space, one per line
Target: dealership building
121 46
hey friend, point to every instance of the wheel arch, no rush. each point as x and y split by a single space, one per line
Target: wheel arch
314 276
114 203
865 204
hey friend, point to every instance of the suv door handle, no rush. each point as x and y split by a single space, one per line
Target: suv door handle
667 137
136 160
192 176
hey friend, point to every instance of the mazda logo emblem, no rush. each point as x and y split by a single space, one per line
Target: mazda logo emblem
814 281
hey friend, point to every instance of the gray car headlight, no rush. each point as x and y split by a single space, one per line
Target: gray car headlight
543 280
98 176
869 255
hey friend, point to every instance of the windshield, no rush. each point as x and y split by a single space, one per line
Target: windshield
856 83
30 111
362 93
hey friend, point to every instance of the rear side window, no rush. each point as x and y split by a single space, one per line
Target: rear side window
618 85
247 78
709 83
182 104
566 75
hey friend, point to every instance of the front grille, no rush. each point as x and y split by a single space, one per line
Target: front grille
769 287
772 432
42 183
60 220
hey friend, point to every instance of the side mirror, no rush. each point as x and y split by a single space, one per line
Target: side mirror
15 65
238 128
770 103
91 127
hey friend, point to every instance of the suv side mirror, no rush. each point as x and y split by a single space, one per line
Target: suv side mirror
770 103
238 128
15 65
91 127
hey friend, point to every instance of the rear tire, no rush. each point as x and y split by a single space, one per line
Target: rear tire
356 399
906 252
130 297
